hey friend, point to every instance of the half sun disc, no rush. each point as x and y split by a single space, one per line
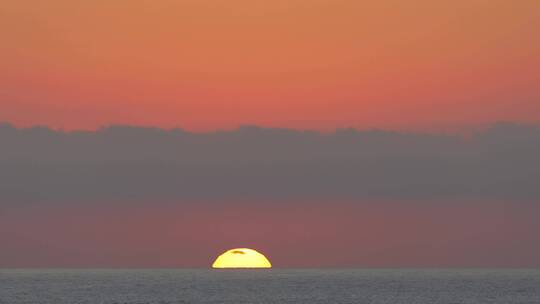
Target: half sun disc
241 258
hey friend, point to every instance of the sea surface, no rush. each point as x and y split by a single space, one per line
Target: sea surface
270 286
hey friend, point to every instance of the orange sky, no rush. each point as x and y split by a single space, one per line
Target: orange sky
207 64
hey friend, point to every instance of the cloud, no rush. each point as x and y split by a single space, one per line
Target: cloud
124 163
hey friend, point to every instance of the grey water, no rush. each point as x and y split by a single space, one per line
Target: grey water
375 286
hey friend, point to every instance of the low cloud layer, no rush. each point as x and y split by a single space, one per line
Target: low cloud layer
123 163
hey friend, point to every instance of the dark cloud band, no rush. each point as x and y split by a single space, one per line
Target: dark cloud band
132 163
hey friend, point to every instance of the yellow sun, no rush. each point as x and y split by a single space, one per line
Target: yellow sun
241 258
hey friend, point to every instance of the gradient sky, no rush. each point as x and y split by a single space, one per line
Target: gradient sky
127 196
317 64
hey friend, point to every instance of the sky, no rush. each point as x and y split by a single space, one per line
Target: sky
147 197
312 64
323 133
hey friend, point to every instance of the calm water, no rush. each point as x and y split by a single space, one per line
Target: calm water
269 286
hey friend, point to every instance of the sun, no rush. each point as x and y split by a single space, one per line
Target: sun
241 258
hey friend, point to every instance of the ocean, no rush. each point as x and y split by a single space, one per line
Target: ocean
388 286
